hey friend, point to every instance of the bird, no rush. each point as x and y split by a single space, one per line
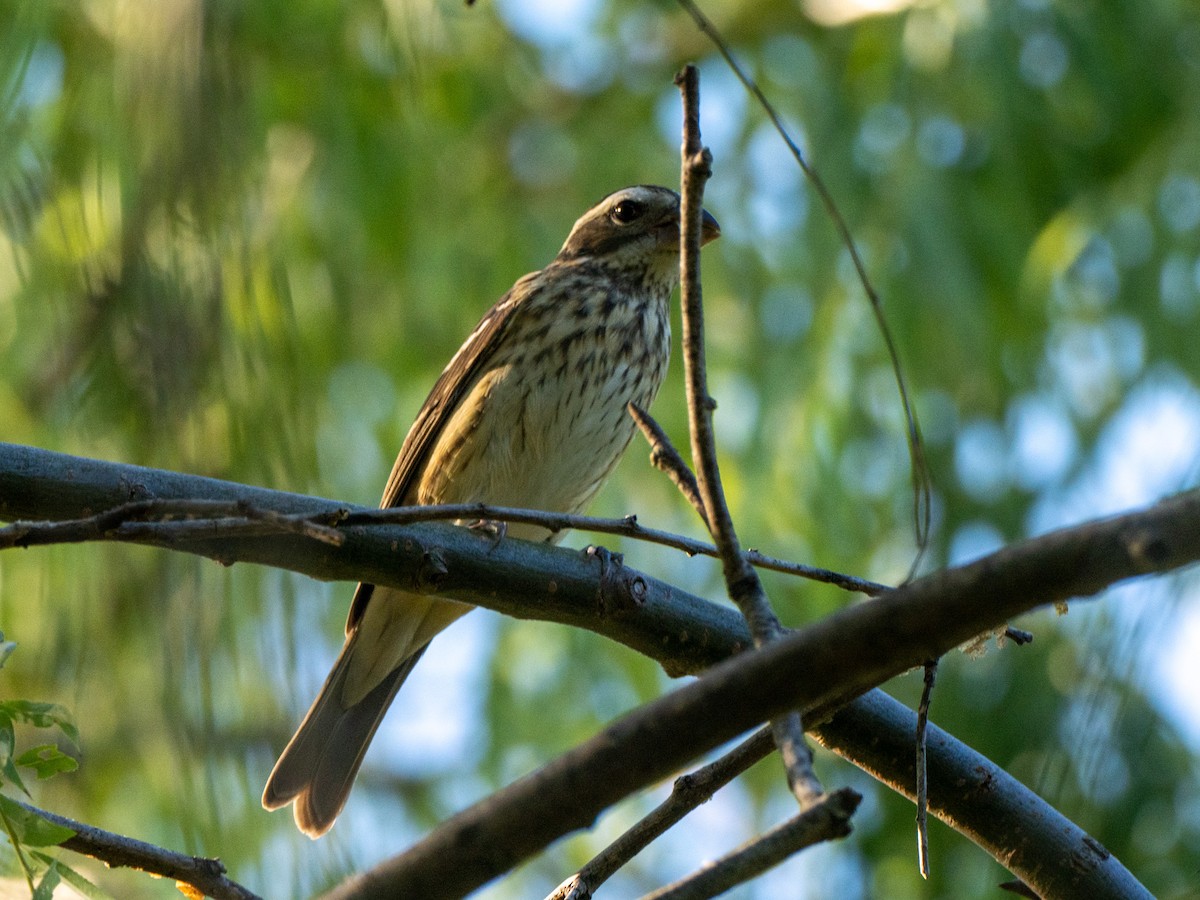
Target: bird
530 412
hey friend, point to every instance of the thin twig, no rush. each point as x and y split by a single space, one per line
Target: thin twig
922 769
665 458
828 819
916 446
180 516
118 851
144 519
742 581
626 526
688 792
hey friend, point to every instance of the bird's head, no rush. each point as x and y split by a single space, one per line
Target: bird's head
633 227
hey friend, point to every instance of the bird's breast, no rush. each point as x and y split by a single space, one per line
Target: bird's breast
546 423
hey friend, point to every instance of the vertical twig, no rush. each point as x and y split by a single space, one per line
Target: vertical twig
742 582
921 482
922 771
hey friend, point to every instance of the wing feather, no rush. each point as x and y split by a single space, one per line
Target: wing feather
452 385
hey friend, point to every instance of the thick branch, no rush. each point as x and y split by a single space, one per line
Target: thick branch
174 519
521 579
977 798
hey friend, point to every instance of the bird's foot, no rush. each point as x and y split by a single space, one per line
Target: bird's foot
490 528
608 560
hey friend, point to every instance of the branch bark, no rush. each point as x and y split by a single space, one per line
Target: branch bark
535 581
977 798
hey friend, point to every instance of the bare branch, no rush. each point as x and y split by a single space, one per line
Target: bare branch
684 634
189 518
814 669
1053 857
688 792
826 820
118 851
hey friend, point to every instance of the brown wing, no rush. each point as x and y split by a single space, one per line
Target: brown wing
452 385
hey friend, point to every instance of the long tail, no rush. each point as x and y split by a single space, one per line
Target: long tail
317 768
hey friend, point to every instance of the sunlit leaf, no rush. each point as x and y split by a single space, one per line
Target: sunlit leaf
47 761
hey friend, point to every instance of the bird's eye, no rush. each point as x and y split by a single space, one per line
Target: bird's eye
628 211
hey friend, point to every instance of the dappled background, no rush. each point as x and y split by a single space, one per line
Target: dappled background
241 240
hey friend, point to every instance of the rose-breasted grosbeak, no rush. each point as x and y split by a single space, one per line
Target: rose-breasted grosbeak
531 412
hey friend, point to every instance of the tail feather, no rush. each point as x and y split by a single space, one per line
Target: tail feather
318 766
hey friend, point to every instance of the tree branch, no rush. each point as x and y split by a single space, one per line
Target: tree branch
922 507
688 792
525 580
118 851
922 768
813 669
168 520
824 820
836 658
977 798
665 458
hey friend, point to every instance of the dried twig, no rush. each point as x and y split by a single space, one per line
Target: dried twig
181 517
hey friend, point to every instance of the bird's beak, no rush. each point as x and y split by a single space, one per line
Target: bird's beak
668 231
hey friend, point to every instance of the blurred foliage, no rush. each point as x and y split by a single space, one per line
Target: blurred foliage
242 239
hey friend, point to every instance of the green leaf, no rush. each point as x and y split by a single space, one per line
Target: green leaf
73 878
6 649
31 828
8 737
41 715
8 770
47 761
49 881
